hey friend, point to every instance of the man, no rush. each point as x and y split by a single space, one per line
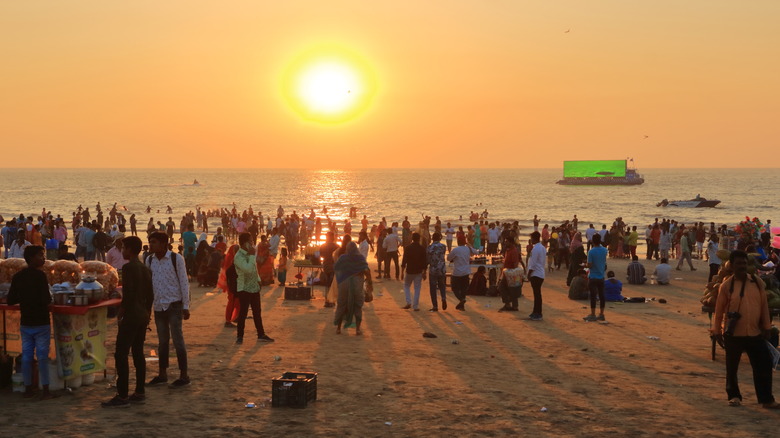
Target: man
248 288
536 262
461 268
597 262
116 255
663 272
636 272
171 306
633 240
326 253
8 234
30 289
63 254
88 241
413 265
390 244
589 233
712 256
170 228
536 223
190 239
133 318
101 243
685 252
746 332
16 251
437 270
654 242
493 235
449 232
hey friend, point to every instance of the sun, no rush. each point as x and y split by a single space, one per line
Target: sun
329 85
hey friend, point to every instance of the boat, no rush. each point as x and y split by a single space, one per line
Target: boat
600 173
697 202
195 183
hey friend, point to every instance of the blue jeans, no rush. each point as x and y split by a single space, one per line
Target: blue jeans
168 324
417 279
35 338
437 282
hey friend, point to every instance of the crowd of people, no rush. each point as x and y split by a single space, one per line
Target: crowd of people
247 252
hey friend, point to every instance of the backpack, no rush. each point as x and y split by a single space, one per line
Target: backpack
148 261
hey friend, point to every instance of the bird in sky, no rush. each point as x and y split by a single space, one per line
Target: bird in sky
567 31
646 137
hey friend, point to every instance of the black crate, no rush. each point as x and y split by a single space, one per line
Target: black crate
295 291
294 389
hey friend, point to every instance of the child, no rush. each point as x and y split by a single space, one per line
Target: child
281 270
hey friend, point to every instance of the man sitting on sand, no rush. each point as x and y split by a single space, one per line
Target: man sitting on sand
663 271
636 272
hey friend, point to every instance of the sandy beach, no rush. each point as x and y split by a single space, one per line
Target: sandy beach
592 378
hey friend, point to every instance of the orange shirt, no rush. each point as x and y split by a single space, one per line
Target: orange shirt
753 307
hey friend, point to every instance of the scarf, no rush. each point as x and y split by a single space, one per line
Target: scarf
349 264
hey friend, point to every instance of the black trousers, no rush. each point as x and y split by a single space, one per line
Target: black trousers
760 360
596 288
246 300
392 255
131 336
714 268
536 285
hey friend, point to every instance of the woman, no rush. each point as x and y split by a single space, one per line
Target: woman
332 295
202 252
227 282
578 257
265 262
351 271
477 236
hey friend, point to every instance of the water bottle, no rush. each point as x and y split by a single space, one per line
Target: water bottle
652 279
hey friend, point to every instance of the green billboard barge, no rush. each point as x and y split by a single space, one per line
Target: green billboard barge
600 173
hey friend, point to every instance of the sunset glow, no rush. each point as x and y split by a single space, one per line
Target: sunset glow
328 85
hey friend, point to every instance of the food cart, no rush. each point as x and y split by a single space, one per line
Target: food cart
79 331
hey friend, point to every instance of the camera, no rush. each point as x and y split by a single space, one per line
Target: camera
731 324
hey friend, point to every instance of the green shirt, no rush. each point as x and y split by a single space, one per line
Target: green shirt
246 269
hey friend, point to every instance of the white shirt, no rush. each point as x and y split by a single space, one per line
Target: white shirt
391 242
589 233
169 285
16 251
493 235
450 232
603 234
363 248
537 260
662 272
460 257
273 242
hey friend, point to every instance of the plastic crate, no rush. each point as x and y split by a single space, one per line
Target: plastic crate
294 291
294 389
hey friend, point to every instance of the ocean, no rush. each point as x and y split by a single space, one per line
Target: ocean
514 194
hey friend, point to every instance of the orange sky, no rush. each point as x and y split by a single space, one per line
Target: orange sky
460 83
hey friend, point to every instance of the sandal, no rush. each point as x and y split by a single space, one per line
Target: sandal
734 402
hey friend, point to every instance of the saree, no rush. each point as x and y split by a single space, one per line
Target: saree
265 264
349 270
